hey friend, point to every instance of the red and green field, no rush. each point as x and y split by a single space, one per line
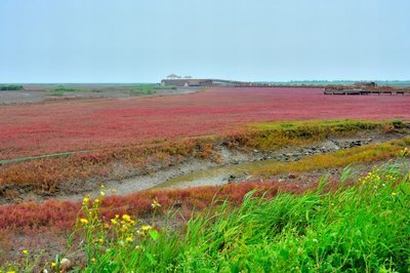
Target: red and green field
36 129
134 138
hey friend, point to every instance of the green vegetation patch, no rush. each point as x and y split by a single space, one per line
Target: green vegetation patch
360 229
147 89
10 87
273 135
334 228
61 90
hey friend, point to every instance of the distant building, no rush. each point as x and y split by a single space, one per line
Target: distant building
187 82
173 77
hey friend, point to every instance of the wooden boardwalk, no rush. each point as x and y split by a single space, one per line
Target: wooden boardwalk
359 92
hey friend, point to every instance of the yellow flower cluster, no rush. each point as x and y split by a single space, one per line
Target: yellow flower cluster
8 271
404 152
155 204
120 231
370 177
86 201
102 190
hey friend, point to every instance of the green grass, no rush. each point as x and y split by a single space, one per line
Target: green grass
365 228
136 89
147 88
61 90
360 228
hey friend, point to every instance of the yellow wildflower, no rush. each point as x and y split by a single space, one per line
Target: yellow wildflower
129 239
25 252
86 200
83 221
124 228
126 217
155 204
146 227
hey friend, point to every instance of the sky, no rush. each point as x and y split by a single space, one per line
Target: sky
145 40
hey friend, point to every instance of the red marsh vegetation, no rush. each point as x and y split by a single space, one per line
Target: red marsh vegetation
36 129
61 215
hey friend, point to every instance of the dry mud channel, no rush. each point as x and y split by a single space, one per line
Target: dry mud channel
233 168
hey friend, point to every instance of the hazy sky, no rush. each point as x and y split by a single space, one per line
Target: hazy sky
145 40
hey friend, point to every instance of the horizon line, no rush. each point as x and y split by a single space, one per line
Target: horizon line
267 81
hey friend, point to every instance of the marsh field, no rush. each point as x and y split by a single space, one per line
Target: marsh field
146 178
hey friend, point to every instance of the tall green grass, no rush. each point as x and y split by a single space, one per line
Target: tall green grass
363 228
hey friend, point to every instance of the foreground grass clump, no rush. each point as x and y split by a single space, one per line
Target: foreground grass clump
363 228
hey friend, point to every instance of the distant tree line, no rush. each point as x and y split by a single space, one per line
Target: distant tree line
10 87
